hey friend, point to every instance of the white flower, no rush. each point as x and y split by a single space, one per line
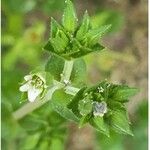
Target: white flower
99 109
34 86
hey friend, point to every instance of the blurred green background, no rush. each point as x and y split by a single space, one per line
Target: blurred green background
25 29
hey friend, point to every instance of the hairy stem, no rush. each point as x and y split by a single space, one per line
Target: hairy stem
68 66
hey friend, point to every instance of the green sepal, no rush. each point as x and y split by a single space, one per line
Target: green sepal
69 19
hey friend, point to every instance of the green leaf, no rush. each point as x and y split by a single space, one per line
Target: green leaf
58 44
69 20
73 105
59 103
62 35
94 34
100 125
97 47
49 47
55 66
123 93
115 105
120 122
84 120
84 27
78 75
55 27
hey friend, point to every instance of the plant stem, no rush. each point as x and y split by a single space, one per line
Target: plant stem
29 107
71 90
68 66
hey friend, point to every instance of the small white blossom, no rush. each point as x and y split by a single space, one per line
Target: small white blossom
99 109
34 85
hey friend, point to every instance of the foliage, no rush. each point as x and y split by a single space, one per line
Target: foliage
101 105
74 100
70 40
119 142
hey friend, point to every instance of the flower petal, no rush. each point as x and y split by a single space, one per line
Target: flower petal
25 87
28 77
33 93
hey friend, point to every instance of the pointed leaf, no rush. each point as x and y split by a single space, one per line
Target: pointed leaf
73 105
120 122
78 75
59 103
100 125
69 17
95 34
123 93
58 44
97 47
55 27
49 47
85 119
62 35
84 27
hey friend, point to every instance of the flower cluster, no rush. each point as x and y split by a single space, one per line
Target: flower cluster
72 40
103 106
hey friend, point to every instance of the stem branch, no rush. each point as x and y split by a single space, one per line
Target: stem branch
29 107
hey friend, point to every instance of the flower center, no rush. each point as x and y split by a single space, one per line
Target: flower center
37 82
